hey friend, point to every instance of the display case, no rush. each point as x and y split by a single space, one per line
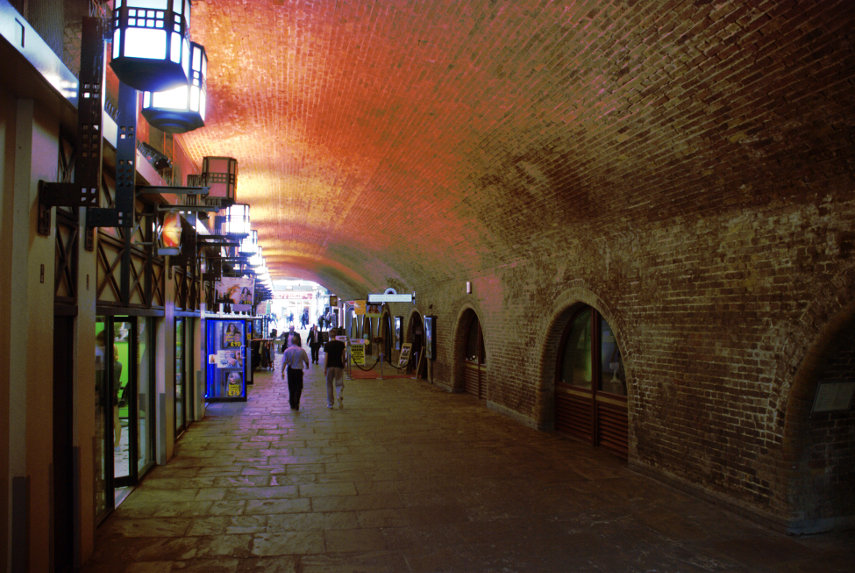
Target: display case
226 348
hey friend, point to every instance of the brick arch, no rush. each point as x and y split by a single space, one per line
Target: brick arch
804 357
561 313
461 328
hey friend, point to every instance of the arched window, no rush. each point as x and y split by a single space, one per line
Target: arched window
590 392
591 357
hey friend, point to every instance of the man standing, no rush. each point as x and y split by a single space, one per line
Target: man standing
334 368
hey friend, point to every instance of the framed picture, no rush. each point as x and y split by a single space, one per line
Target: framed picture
430 337
399 324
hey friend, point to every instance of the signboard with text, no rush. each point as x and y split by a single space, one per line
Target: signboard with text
404 358
357 352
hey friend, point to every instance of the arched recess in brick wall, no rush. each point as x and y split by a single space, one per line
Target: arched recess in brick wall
818 461
416 337
564 310
470 356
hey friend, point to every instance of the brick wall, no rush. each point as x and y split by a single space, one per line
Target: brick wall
704 310
684 167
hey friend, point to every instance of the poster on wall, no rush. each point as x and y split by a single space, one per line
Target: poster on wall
237 291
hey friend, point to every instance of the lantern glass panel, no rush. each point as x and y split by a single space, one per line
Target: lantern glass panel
147 4
175 47
145 43
170 99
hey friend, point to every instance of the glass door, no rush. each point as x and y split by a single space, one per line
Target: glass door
122 375
115 410
145 395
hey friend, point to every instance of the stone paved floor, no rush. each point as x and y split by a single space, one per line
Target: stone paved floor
408 478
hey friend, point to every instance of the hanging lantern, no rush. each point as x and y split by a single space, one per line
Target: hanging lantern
249 245
151 44
219 175
236 221
180 109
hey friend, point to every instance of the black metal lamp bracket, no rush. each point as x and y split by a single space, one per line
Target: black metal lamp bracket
61 195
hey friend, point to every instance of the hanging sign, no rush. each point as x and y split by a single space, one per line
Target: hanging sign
237 291
170 235
373 310
358 307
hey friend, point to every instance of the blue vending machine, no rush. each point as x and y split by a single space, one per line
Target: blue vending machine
226 348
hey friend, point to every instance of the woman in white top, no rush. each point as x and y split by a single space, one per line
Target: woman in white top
293 361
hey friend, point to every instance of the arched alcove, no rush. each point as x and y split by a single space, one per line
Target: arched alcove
470 357
819 442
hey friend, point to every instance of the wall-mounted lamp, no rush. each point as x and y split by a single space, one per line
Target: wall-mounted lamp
468 287
249 244
235 223
169 235
151 44
180 109
219 175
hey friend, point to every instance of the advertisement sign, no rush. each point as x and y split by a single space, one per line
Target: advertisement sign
357 351
358 307
237 291
404 358
290 295
373 310
226 348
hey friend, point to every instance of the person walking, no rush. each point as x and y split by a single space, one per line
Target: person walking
334 368
292 363
314 340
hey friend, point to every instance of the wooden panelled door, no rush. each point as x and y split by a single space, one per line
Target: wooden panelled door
590 389
474 364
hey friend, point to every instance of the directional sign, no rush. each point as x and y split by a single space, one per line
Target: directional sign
384 297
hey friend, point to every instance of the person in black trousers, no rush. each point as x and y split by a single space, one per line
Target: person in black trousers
292 362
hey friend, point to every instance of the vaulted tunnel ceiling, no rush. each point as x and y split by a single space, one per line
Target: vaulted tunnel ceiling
396 142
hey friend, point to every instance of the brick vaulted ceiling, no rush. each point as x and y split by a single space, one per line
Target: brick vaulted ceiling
396 142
